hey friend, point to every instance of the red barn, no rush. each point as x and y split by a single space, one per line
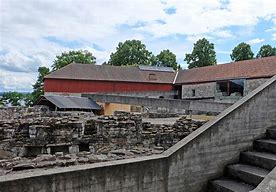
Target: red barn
86 78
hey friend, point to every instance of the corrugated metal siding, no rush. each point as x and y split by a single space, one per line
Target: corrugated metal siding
80 86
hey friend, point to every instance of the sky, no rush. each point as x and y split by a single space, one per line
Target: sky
33 32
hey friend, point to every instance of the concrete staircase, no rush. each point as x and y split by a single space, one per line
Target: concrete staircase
251 169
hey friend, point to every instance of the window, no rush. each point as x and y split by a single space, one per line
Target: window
231 86
193 92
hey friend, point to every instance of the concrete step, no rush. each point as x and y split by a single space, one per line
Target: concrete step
260 159
265 145
227 185
271 133
246 173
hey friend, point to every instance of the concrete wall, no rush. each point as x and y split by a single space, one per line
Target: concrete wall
185 167
148 94
190 105
268 184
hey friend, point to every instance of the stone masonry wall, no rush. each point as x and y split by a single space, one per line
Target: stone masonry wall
202 90
41 139
251 84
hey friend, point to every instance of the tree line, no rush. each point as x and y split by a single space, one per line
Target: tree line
134 53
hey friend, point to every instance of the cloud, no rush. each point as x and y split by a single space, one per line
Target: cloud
33 32
65 43
274 37
194 38
271 29
223 34
10 81
255 41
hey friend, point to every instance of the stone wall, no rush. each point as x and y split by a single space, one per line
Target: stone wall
208 90
201 90
185 167
42 140
251 84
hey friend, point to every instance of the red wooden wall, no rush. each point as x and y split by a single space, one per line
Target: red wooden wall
84 86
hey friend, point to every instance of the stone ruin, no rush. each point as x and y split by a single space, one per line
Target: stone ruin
38 138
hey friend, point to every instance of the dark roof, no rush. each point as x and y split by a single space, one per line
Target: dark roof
255 68
111 73
70 102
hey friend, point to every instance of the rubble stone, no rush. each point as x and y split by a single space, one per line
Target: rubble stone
38 138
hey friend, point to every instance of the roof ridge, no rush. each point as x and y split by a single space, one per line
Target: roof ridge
253 68
233 62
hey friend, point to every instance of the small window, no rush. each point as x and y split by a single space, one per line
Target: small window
152 76
193 92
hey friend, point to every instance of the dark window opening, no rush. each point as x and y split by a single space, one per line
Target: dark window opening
193 92
33 151
61 148
178 90
231 87
84 147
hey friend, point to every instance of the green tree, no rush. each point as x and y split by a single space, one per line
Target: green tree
28 99
266 51
38 88
80 56
166 59
131 52
13 98
203 54
242 52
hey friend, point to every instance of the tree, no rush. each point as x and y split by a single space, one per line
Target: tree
28 99
131 52
166 59
13 98
203 54
266 51
80 56
242 52
38 88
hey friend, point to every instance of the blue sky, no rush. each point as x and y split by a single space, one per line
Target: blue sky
33 32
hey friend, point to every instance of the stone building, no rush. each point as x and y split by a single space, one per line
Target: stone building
226 81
